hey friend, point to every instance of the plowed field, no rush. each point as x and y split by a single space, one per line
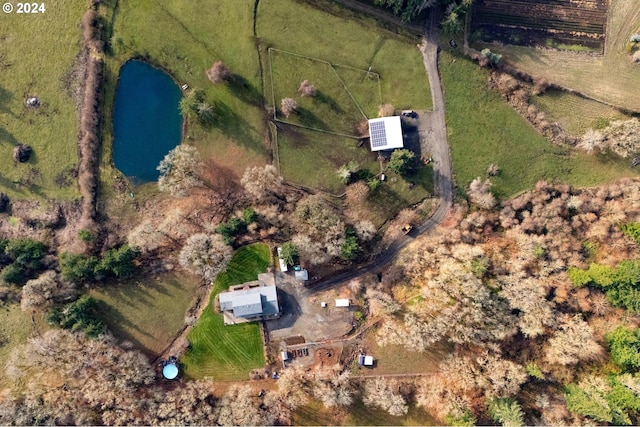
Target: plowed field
551 23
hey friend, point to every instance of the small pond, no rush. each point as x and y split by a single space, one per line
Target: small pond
146 120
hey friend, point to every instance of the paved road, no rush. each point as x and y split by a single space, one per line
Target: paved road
442 168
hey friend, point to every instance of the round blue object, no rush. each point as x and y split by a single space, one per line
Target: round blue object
170 371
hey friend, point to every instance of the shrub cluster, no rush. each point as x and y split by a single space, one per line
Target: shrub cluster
620 284
116 262
236 226
80 315
24 258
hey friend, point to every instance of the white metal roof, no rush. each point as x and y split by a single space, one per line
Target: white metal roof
302 275
250 302
342 302
368 361
385 133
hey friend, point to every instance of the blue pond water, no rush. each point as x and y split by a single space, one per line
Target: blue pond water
146 120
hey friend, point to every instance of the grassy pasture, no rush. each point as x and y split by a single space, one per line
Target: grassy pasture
228 352
147 313
298 27
483 129
576 114
15 327
312 158
36 53
334 108
610 78
201 32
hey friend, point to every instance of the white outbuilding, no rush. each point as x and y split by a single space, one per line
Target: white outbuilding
385 133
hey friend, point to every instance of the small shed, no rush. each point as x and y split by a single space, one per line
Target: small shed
343 302
302 275
285 355
364 360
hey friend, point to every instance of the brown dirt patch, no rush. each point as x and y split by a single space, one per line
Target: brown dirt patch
536 22
294 340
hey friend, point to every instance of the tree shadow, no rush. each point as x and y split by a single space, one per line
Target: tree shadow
118 325
327 100
309 119
5 97
5 135
234 126
245 91
411 138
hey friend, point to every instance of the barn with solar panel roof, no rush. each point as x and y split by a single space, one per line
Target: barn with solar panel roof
385 133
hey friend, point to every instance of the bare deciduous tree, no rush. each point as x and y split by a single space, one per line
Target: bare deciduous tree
179 170
572 342
240 407
288 106
205 255
480 195
262 182
218 72
307 89
40 293
384 394
357 193
334 390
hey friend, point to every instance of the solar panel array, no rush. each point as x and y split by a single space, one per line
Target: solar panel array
378 134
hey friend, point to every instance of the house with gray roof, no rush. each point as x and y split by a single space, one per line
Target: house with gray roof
250 301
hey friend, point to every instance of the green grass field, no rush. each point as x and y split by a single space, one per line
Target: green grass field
297 27
576 114
334 108
312 158
36 53
150 312
483 129
15 327
228 352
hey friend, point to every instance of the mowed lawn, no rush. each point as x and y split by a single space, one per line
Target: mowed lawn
483 129
185 39
36 53
228 352
150 312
